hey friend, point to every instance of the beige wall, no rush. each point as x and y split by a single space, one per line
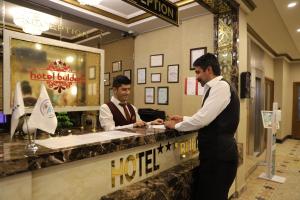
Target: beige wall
287 105
295 72
244 103
116 51
283 91
268 64
175 43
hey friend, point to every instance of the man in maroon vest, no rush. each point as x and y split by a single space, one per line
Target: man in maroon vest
118 113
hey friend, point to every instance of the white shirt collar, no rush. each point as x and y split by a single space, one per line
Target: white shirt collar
115 100
214 81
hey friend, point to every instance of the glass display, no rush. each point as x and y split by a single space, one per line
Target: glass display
66 72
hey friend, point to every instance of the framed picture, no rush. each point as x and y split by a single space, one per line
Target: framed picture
106 79
116 66
196 53
155 78
141 76
149 95
163 95
173 73
92 72
157 60
127 73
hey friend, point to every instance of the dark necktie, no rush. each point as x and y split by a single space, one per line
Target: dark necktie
125 110
205 97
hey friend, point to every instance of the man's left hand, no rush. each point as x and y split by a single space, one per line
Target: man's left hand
170 124
157 122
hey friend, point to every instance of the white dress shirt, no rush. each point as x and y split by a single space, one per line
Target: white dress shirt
216 102
106 117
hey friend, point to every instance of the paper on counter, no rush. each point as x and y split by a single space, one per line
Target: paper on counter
157 126
76 140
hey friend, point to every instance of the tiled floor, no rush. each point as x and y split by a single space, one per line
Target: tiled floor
288 166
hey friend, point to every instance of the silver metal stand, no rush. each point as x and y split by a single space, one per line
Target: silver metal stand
271 151
31 147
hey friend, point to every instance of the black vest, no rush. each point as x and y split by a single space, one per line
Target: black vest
118 117
216 140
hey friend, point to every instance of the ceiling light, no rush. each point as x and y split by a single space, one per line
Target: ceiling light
298 30
31 21
69 59
291 5
90 2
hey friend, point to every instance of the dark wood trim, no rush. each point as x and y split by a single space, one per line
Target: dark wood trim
280 141
252 32
250 4
205 5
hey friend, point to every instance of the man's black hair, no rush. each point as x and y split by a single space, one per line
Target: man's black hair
121 80
26 88
207 60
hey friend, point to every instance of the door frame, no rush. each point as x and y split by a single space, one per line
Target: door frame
294 116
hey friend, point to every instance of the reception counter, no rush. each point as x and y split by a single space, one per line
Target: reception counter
98 165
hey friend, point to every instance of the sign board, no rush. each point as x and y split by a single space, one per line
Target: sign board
267 118
161 8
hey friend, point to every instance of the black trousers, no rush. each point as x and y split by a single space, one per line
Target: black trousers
214 178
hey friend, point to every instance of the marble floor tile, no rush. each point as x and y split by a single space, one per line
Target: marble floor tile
288 166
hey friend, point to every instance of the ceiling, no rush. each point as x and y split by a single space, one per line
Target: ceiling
112 20
291 18
277 26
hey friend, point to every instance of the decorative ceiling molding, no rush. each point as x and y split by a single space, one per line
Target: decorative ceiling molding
250 4
117 17
252 32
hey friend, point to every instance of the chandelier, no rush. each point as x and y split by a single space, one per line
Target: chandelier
89 2
31 21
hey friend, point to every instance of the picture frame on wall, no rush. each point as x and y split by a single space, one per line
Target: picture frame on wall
117 66
157 60
141 76
173 73
155 77
127 73
106 79
163 95
92 72
149 95
196 53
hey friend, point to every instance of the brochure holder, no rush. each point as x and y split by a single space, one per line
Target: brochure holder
271 123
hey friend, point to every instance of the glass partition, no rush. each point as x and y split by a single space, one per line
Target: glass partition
70 72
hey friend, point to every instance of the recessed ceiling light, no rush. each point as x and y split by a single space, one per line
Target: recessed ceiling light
298 30
293 4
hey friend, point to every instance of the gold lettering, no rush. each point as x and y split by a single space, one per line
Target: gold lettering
132 159
144 2
117 172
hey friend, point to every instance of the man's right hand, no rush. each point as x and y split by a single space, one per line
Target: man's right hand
176 118
139 124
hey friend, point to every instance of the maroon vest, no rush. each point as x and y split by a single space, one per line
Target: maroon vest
119 118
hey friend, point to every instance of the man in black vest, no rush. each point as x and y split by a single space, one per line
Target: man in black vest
216 122
118 113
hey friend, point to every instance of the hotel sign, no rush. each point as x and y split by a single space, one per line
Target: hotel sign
160 8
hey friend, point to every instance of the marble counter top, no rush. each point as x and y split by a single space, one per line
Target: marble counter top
15 159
